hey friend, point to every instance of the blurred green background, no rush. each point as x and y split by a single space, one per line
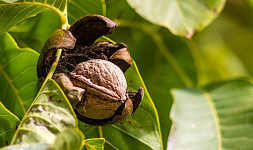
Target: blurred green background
221 51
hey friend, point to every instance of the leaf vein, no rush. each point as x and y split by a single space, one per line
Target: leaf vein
26 85
11 60
59 7
78 7
27 101
22 73
6 131
45 119
131 135
53 106
14 89
5 11
13 18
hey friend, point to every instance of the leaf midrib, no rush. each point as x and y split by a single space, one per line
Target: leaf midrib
215 116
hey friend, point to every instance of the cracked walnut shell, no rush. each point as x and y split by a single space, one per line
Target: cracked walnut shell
91 75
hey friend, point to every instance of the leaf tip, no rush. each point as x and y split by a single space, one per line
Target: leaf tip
189 35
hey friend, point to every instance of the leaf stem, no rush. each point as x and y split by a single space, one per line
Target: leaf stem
100 132
108 39
215 115
196 56
167 54
103 8
53 67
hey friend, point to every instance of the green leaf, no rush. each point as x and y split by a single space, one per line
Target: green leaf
49 114
9 1
158 73
161 76
95 144
13 13
121 10
8 125
26 147
78 9
181 17
139 131
150 45
18 76
68 139
218 117
34 32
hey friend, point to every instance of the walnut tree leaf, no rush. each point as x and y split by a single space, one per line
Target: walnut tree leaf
218 117
49 114
181 17
78 9
8 125
12 12
66 140
18 76
95 144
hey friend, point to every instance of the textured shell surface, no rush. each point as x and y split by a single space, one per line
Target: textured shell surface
102 75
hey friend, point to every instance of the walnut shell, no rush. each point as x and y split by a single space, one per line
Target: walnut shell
102 76
91 74
105 86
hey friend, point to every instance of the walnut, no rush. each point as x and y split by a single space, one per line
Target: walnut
92 76
105 86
